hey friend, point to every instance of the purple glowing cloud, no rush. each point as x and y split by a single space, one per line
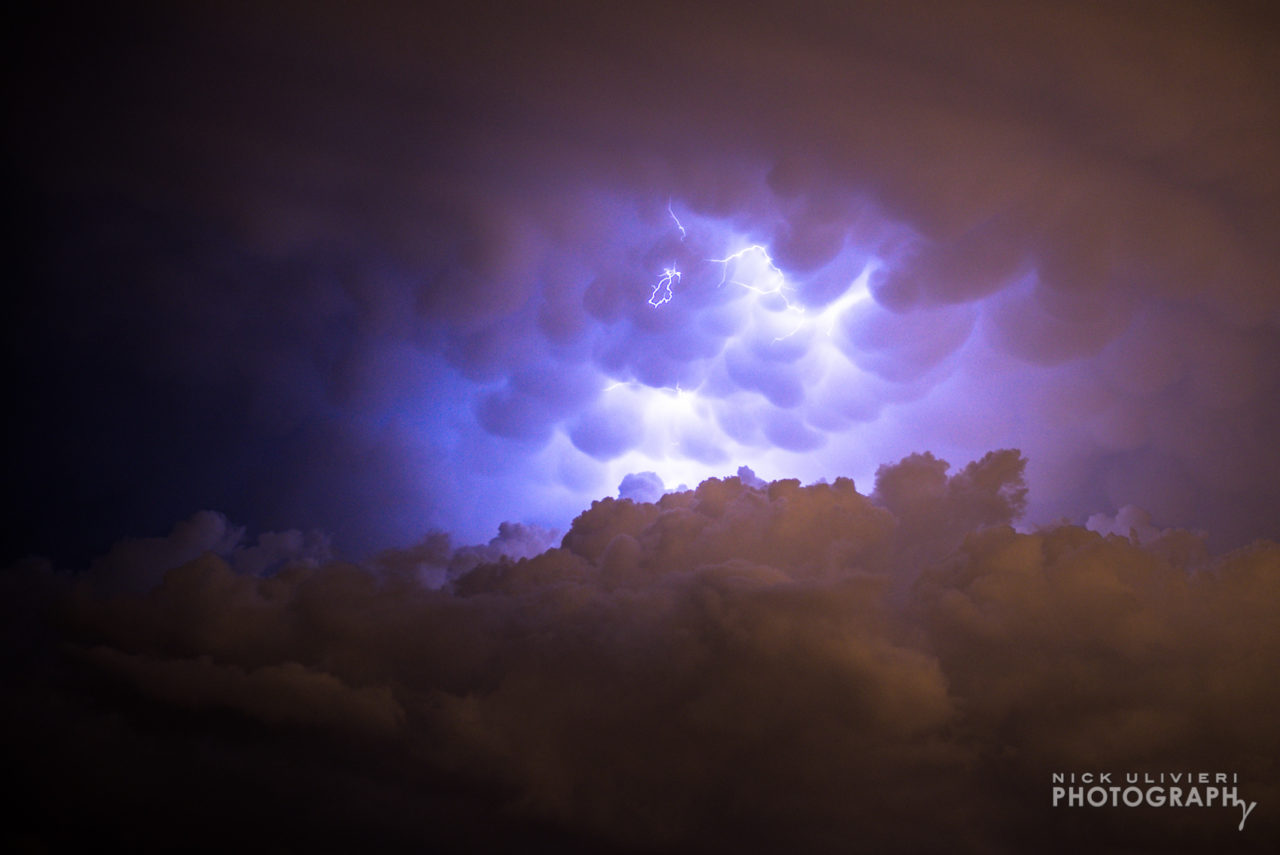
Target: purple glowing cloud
375 292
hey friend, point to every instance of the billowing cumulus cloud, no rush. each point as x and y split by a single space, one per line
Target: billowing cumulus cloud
743 666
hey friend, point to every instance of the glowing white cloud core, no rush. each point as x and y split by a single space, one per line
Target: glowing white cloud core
764 392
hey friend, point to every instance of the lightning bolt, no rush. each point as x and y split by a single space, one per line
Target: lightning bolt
662 292
773 272
857 292
754 269
666 405
738 256
670 391
683 232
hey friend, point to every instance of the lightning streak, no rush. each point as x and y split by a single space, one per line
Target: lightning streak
772 269
856 293
760 267
668 409
662 292
683 232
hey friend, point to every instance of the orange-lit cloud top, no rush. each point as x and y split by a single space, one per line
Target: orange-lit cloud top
741 667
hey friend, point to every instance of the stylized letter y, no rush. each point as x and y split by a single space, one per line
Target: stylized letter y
1247 810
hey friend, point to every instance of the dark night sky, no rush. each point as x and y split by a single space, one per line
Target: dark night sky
299 284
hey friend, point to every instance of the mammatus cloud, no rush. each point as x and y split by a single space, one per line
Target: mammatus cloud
743 666
365 270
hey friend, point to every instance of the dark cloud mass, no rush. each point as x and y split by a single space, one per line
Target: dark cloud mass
744 666
378 281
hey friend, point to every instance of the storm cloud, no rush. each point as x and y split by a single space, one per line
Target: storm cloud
410 293
729 668
366 270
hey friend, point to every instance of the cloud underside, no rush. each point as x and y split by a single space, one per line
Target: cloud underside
402 256
744 666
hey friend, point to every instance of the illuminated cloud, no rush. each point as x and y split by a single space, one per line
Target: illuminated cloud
377 282
523 254
739 667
